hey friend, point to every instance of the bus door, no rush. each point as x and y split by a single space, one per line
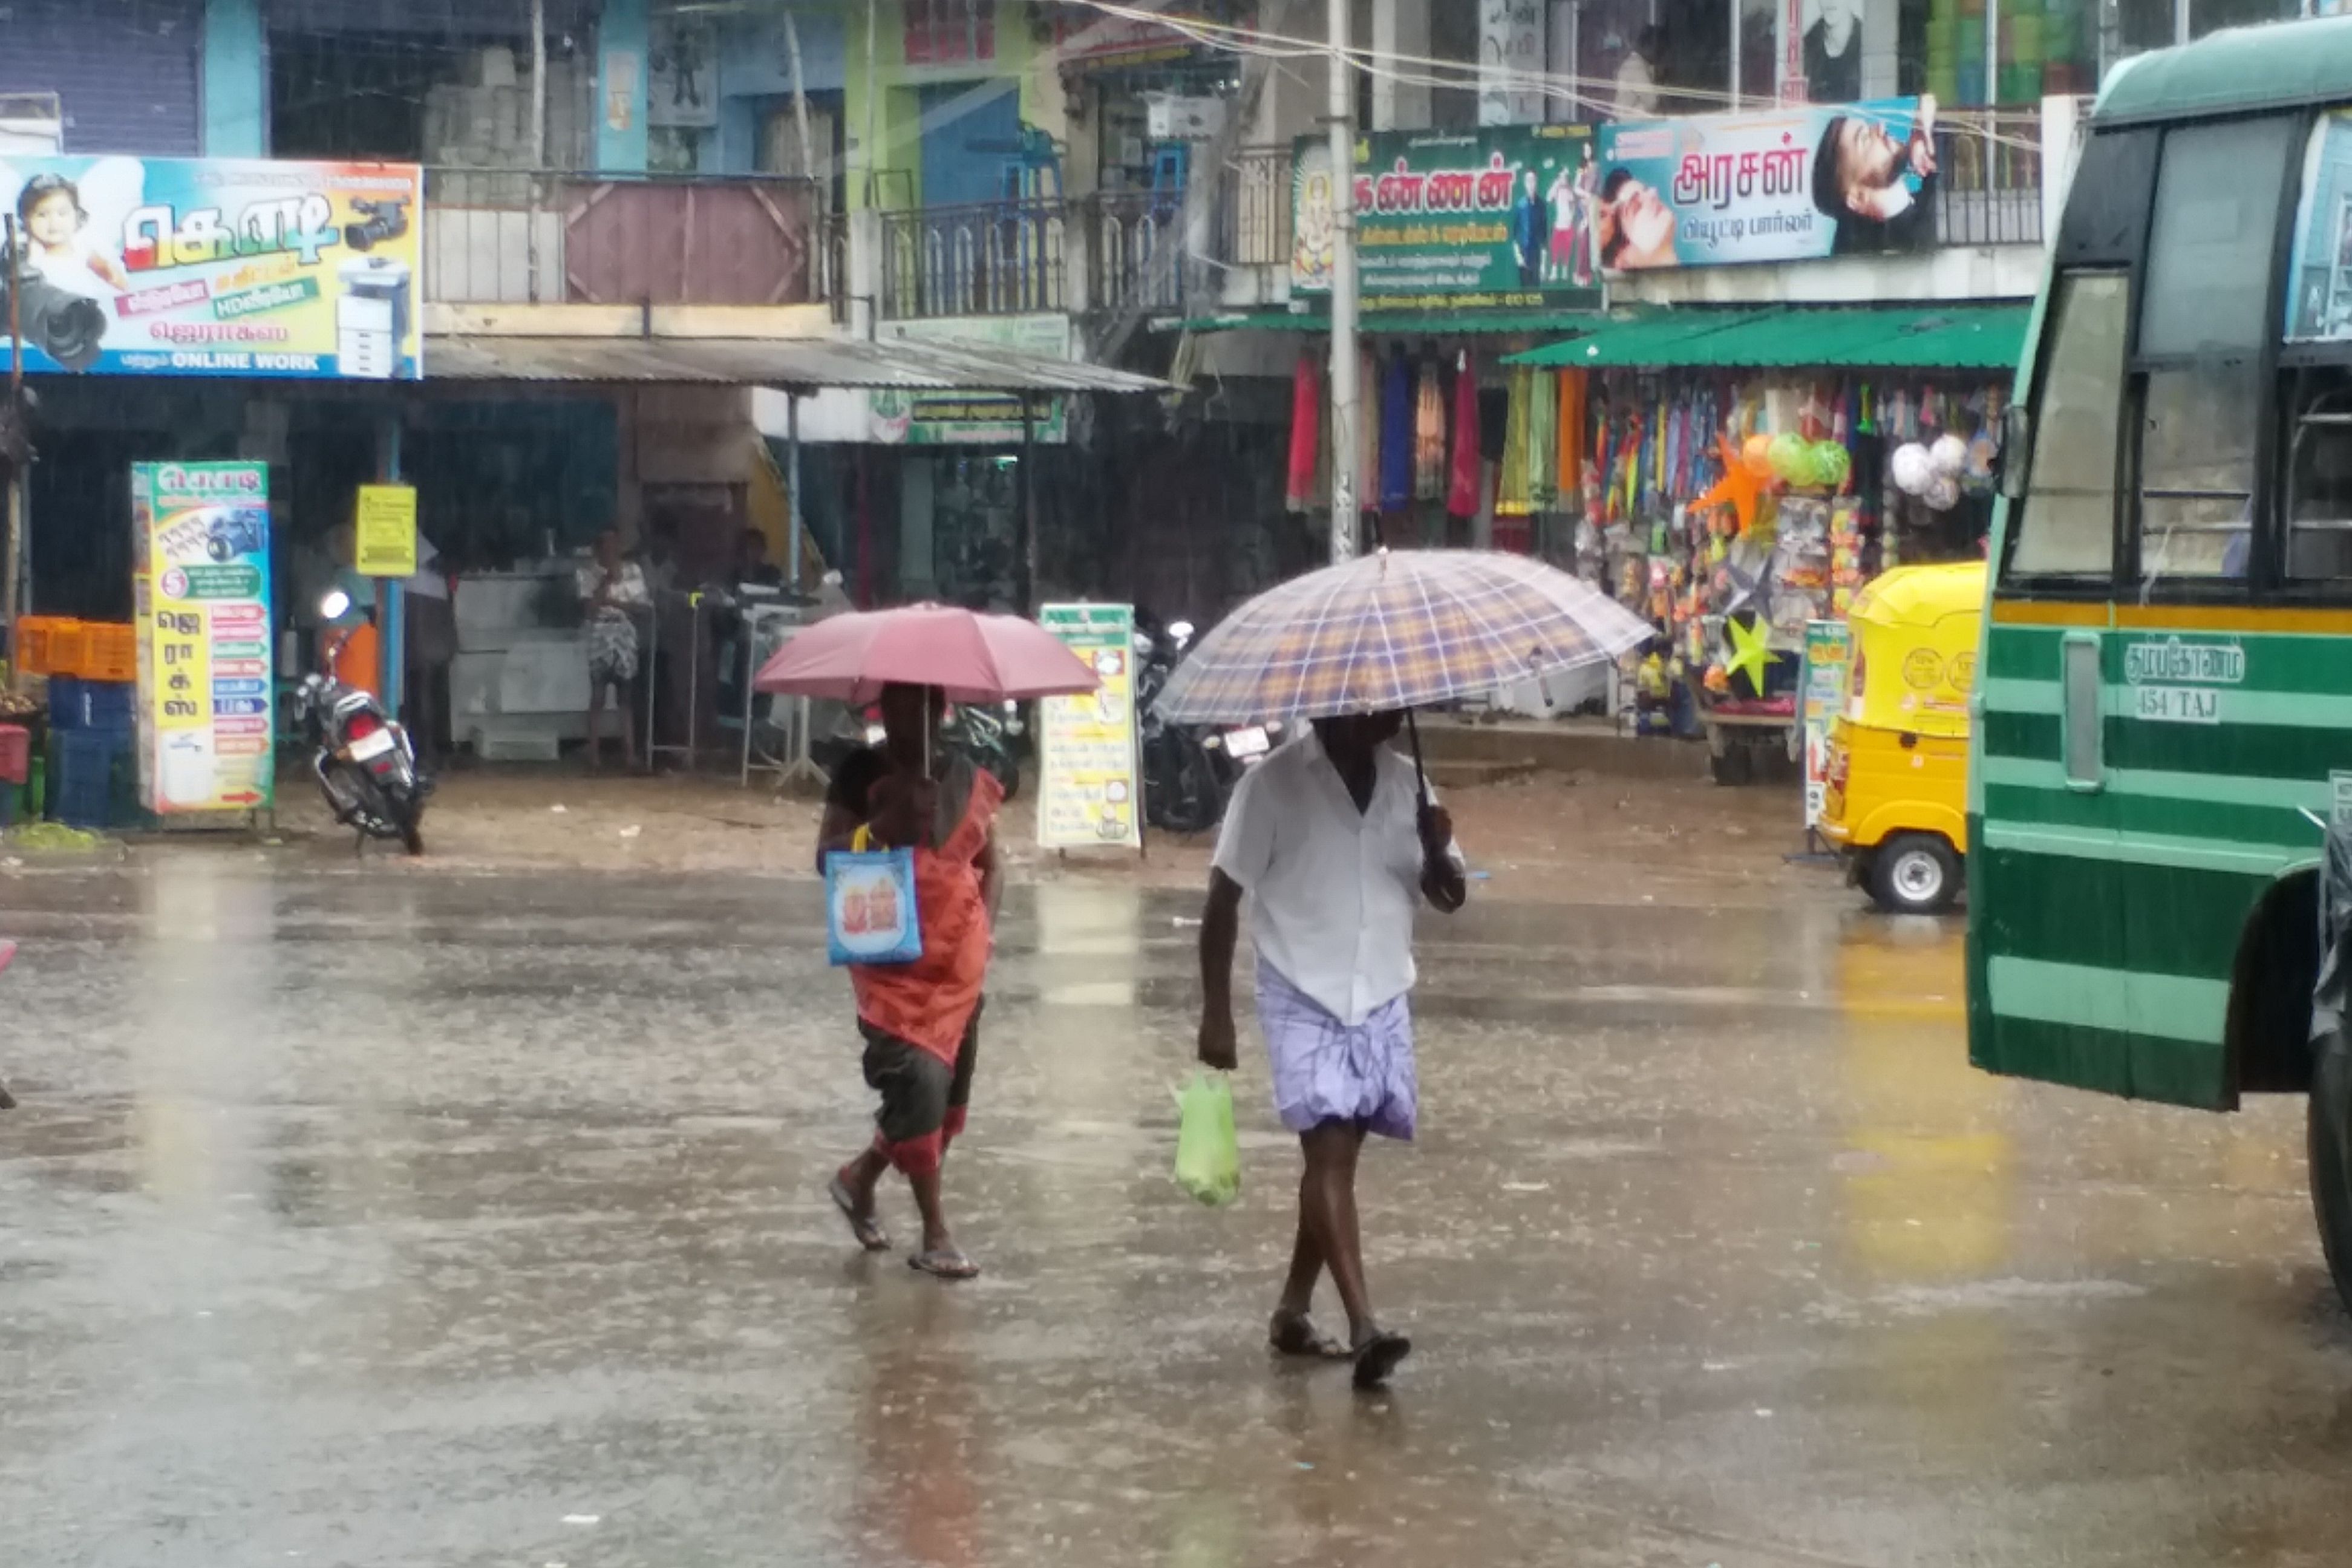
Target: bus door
2046 882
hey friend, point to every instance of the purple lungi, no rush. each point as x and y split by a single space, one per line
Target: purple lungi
1324 1070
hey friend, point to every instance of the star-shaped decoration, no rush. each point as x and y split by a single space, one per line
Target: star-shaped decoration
1749 652
1738 489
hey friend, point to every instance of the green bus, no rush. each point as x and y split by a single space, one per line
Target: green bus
2164 700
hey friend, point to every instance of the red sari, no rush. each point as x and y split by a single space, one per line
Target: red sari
928 1003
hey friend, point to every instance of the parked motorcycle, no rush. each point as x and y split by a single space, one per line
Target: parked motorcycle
365 763
1183 791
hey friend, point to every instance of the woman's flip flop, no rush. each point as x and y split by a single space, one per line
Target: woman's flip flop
944 1263
1378 1356
866 1228
1293 1334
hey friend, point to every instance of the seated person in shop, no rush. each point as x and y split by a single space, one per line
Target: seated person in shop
1861 183
751 567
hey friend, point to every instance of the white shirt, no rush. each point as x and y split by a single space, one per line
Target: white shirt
1332 890
1637 89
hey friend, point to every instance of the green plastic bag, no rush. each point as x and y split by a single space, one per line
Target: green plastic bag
1208 1155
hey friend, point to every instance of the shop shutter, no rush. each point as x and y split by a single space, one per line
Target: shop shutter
125 71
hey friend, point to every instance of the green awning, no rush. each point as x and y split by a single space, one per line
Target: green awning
1401 323
1855 337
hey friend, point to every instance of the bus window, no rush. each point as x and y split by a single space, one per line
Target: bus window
2197 469
2066 525
2318 501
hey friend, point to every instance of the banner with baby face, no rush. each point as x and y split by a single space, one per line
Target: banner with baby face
214 267
1791 184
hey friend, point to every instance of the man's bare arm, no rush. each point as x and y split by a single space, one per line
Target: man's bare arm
1221 925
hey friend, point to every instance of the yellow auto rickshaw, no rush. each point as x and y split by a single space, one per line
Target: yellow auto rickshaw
1896 799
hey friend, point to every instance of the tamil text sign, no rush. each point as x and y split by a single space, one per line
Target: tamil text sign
1792 183
215 267
1087 793
201 534
1455 219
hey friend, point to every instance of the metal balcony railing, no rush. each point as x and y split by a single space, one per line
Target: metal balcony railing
997 258
1989 167
512 236
1253 209
1134 245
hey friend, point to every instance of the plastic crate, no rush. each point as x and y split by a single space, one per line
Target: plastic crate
110 652
79 704
15 754
12 805
85 769
44 644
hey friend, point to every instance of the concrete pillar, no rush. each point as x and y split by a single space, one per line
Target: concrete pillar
237 81
1400 27
622 43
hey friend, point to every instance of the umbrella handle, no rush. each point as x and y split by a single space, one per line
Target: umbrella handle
1420 774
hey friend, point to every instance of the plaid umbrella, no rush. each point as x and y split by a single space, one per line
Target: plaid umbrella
1407 630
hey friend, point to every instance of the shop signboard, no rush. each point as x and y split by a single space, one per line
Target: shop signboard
206 688
1792 183
1829 656
216 267
1088 795
1498 218
973 418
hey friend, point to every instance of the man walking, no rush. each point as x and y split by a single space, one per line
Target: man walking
1330 842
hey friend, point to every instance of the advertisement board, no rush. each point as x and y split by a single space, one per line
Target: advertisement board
900 418
1828 658
1500 217
215 267
200 538
1792 183
1087 793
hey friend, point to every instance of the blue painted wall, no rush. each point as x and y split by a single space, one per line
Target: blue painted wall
755 73
622 39
235 80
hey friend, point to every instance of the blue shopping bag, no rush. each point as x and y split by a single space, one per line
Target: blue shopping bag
869 904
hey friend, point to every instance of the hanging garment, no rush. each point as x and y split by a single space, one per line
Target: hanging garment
1305 416
1396 436
1429 436
1462 483
1511 472
1571 431
1367 394
1543 435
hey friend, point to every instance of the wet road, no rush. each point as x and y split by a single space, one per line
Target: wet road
392 1220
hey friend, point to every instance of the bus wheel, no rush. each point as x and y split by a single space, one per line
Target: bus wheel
2330 1140
1915 874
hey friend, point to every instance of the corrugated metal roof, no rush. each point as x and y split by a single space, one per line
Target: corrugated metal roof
799 365
1855 337
2241 68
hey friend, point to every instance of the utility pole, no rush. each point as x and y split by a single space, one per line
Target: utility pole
1347 430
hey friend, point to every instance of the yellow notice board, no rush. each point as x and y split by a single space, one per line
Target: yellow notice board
386 527
1086 794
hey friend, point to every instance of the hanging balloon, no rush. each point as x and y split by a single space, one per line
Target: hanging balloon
1786 455
1912 468
1949 455
1756 455
1832 463
1943 492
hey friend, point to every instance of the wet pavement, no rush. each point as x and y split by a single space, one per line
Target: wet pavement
363 1218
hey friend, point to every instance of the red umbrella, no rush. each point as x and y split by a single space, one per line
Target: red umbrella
1461 492
973 657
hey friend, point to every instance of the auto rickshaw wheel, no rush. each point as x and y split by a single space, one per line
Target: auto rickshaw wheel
2329 1141
1915 874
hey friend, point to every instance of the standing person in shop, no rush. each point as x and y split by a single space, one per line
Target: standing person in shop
611 593
1333 847
428 647
1637 79
920 1020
